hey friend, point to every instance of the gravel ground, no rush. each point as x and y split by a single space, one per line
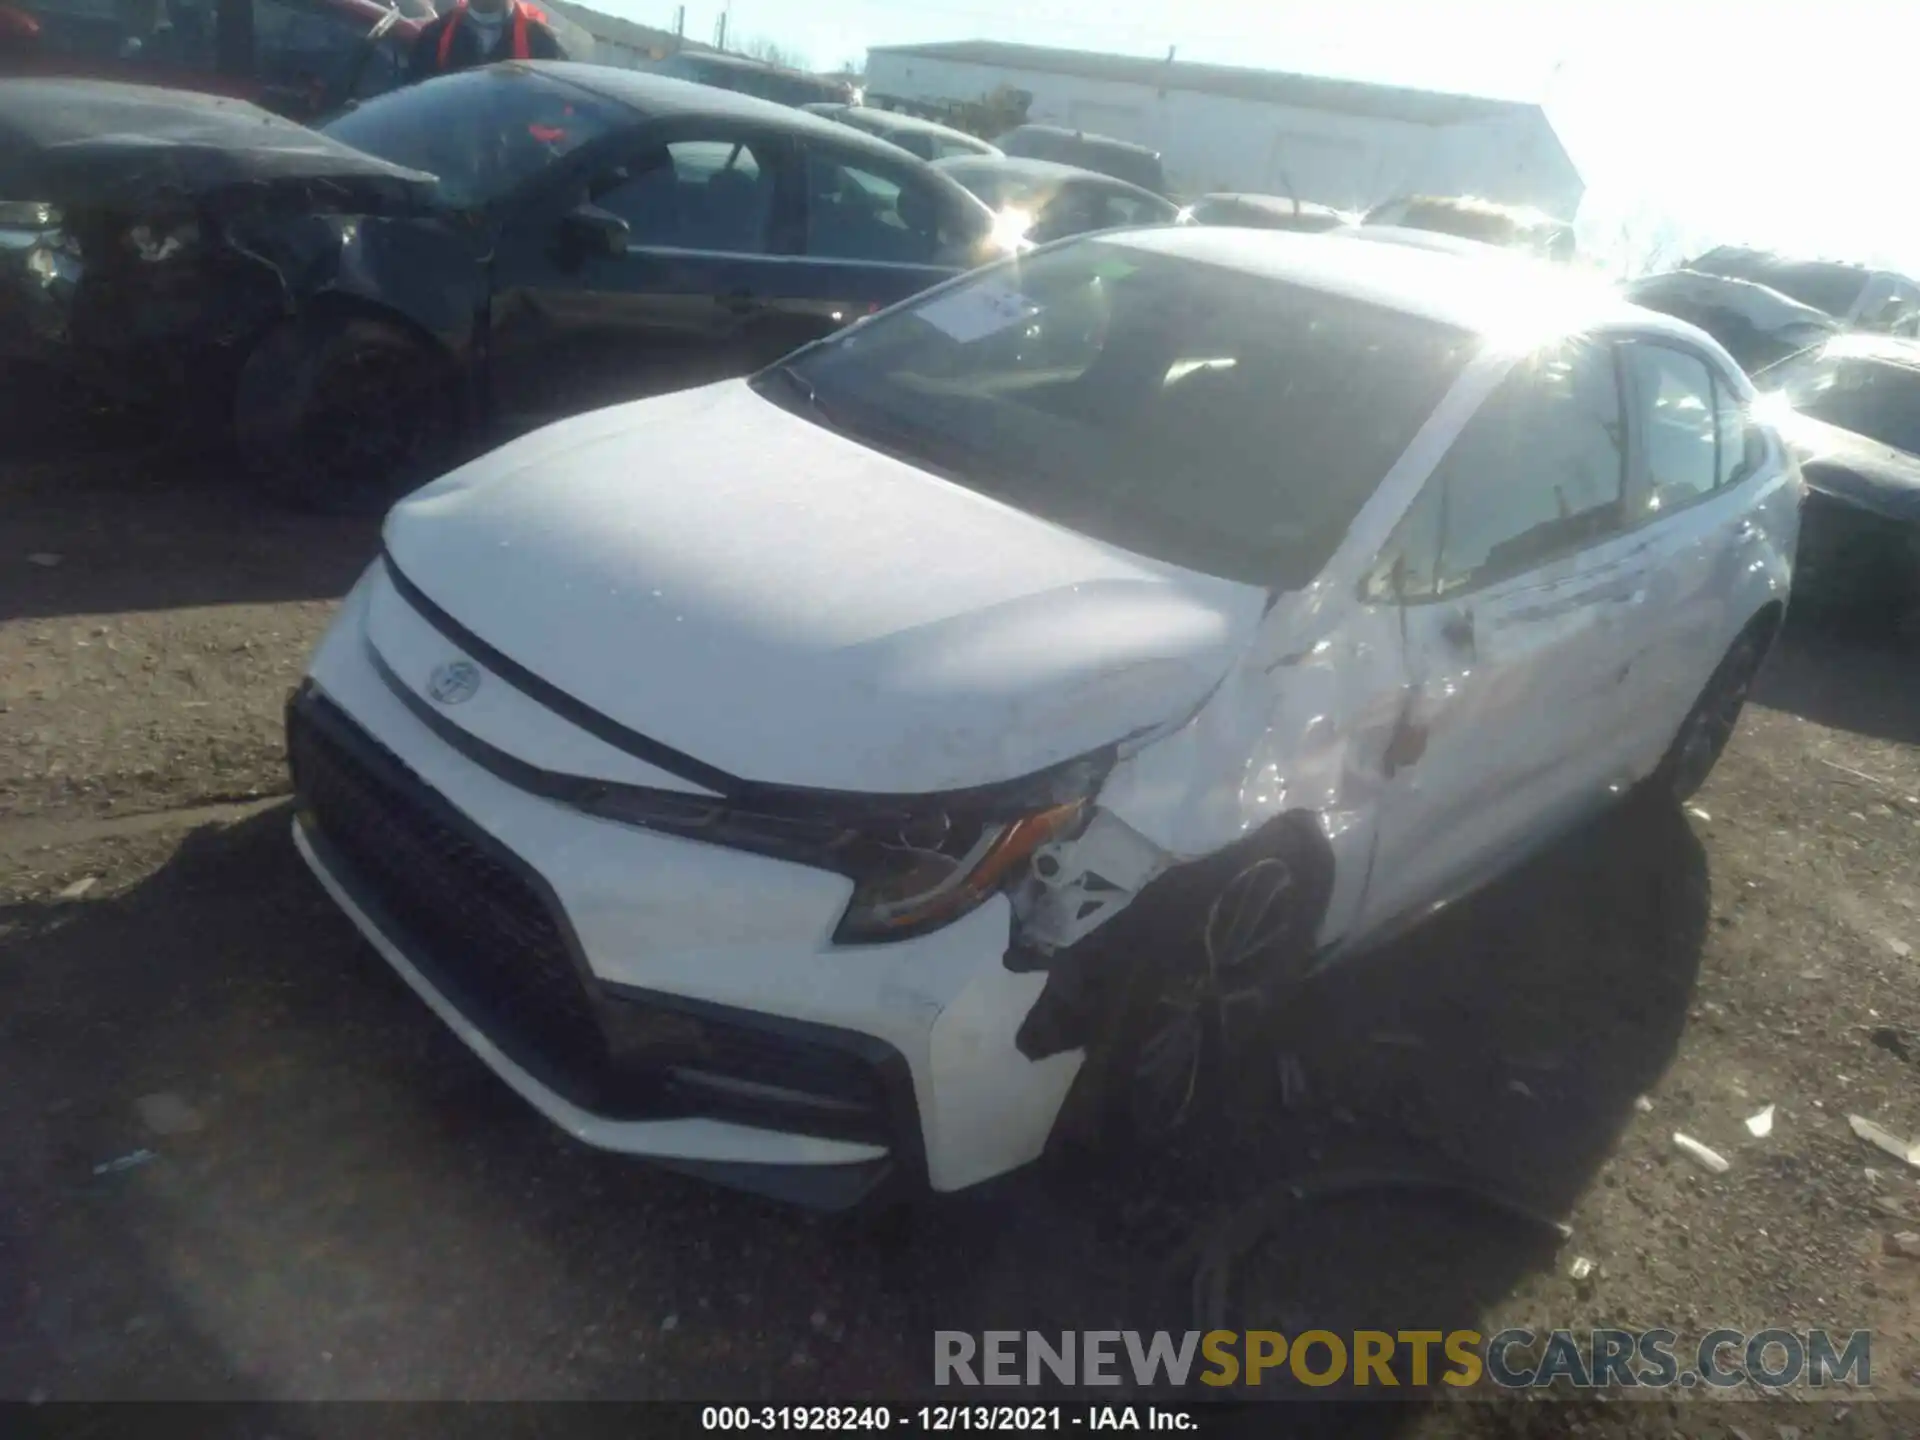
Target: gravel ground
341 1203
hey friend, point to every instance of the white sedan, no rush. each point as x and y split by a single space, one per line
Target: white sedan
801 780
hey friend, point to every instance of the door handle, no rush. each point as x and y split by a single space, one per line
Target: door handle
739 302
1627 597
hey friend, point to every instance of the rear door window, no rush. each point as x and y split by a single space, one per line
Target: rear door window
860 210
306 52
1121 208
156 35
710 195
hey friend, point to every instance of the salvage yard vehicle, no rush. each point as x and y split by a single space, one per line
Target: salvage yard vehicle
1102 154
479 253
1266 212
298 58
1039 201
814 780
1758 326
1880 301
747 76
925 138
1514 227
1851 411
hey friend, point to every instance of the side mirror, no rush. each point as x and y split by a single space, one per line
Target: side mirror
589 230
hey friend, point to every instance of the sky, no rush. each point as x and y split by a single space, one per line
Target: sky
1773 122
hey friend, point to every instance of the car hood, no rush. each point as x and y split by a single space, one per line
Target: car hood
1853 468
94 142
773 599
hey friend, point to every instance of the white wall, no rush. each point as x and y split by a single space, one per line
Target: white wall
1213 142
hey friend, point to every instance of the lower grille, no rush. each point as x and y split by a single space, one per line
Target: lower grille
493 944
487 937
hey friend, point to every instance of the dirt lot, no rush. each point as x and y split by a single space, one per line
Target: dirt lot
342 1203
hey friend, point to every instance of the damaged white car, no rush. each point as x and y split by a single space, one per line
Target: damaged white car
809 780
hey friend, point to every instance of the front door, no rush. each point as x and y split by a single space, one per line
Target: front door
573 329
1514 648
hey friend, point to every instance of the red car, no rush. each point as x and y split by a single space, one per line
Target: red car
301 58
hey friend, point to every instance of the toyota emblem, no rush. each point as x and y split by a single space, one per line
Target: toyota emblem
453 682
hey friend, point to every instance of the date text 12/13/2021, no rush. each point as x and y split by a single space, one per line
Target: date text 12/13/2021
941 1419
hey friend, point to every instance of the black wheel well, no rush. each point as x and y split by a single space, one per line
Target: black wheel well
1092 980
338 306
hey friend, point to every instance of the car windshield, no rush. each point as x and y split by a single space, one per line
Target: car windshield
1879 401
482 133
1197 414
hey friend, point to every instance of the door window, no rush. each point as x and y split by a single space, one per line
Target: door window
306 49
149 34
858 213
1677 415
1538 471
385 68
693 195
1119 209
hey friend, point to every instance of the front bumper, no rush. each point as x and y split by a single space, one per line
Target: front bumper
652 995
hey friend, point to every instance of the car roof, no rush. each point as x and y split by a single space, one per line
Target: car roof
1278 204
1494 293
894 120
1438 240
1084 136
1743 294
1045 171
661 96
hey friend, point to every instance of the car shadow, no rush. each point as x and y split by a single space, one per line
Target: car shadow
364 1210
113 521
1844 677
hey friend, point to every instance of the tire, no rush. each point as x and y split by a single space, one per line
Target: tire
1209 977
1703 735
344 415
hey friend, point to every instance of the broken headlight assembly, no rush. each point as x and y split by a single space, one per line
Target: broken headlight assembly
917 863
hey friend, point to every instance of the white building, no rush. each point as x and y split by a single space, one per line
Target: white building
1220 127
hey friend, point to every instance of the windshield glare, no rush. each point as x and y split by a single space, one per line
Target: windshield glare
1217 420
481 133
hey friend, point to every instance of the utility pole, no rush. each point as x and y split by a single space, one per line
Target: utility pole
679 28
720 31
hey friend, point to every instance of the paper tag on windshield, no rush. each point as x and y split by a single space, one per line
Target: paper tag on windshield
977 311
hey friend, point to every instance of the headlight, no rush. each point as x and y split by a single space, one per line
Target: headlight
28 215
913 888
917 863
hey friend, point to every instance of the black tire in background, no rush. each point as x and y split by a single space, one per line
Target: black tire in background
1710 724
344 414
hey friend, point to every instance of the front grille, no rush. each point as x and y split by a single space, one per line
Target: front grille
492 943
489 941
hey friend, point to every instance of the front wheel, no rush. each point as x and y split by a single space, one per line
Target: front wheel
1710 724
344 415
